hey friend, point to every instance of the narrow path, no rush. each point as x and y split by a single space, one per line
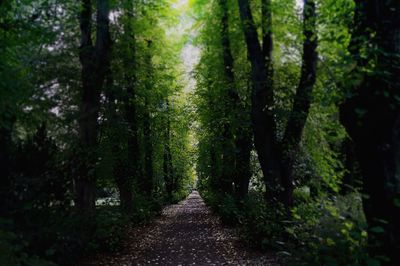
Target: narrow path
187 233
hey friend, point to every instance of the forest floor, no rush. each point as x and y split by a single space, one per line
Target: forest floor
187 233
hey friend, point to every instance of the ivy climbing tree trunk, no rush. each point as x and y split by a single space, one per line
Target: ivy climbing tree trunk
371 116
94 60
301 104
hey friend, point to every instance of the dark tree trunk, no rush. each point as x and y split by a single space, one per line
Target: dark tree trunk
94 61
262 112
167 169
133 137
167 162
351 179
240 144
228 149
214 166
121 167
147 182
243 171
301 104
372 119
6 128
131 169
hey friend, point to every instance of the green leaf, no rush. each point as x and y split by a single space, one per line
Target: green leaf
396 203
373 262
377 229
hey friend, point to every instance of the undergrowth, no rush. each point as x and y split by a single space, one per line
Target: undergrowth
322 231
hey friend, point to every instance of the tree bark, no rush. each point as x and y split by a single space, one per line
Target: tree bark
147 182
238 137
351 179
6 128
228 149
121 166
301 104
243 145
262 113
167 160
94 61
131 171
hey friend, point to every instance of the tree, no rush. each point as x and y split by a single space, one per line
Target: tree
301 102
371 115
262 96
277 158
236 133
95 60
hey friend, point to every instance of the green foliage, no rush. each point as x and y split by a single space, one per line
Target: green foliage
177 132
13 251
262 226
40 96
111 226
144 209
324 225
225 205
322 232
328 232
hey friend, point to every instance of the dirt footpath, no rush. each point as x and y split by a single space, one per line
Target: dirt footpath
187 233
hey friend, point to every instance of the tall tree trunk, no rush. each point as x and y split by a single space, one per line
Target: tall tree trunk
351 179
213 165
240 144
262 98
167 160
228 148
302 101
168 173
6 128
131 168
147 182
133 141
372 119
121 165
94 61
243 145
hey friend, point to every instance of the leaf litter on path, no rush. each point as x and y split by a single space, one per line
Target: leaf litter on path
187 233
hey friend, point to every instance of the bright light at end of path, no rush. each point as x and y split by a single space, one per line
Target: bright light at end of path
179 4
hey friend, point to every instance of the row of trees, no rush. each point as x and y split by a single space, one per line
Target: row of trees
293 79
88 106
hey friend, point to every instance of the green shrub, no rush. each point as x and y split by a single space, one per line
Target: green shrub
12 251
144 209
110 225
228 210
324 231
177 196
328 232
261 225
